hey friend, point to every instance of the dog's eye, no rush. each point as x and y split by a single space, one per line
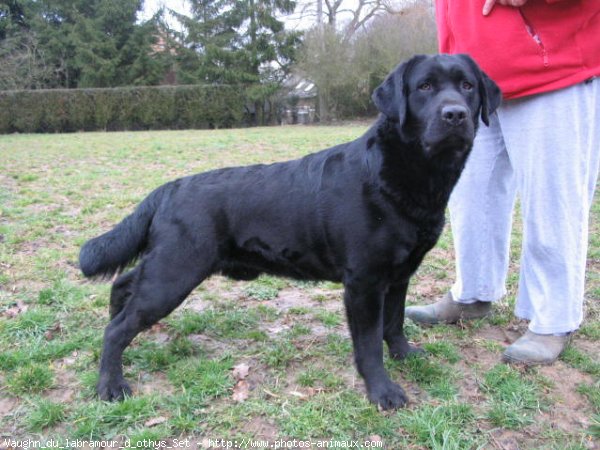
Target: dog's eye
425 86
467 86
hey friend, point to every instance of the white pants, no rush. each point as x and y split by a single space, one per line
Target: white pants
546 148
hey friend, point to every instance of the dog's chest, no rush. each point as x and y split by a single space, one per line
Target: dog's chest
409 257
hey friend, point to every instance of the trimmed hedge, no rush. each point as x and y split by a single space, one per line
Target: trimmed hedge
130 108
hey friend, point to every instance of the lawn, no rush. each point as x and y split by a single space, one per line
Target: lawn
268 360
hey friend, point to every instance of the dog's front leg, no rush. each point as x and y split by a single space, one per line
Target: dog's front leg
393 322
364 301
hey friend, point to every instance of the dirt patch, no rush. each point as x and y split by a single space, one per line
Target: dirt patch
425 289
293 298
563 409
209 345
502 335
227 289
196 303
569 409
151 383
261 428
590 347
7 406
508 440
475 361
65 387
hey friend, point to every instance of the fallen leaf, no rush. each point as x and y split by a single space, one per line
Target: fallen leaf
270 394
12 312
240 391
240 371
298 394
155 421
305 393
375 438
50 333
309 392
158 327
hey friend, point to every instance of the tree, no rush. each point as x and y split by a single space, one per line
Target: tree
206 55
238 41
24 64
265 49
347 69
348 16
11 16
326 59
84 43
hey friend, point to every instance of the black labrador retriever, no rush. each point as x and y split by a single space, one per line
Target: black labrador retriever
364 213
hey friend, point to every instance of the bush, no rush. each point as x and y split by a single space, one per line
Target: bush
130 108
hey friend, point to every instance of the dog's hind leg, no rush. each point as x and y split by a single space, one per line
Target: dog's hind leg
165 278
393 322
120 292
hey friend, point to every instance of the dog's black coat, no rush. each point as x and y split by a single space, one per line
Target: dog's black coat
364 213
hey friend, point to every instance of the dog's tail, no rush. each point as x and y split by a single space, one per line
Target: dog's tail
112 251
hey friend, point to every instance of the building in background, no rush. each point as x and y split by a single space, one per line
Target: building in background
300 101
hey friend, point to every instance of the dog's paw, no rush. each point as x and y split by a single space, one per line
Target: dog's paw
406 350
113 390
388 396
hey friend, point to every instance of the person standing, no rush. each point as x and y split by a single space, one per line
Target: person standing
543 144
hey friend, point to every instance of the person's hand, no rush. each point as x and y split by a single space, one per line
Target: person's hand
489 4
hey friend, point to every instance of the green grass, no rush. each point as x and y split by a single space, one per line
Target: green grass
57 191
101 420
335 416
592 392
45 413
203 378
328 318
280 353
594 429
338 347
443 349
31 378
31 324
264 287
299 330
446 426
234 323
582 361
513 397
299 310
151 356
260 292
318 377
591 330
437 378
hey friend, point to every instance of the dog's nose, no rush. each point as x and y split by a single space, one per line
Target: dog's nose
454 115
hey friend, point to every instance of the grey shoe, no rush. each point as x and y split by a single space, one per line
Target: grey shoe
533 348
447 310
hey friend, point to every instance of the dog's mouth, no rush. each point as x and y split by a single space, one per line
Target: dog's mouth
455 143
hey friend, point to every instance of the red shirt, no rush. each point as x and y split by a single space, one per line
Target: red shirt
542 46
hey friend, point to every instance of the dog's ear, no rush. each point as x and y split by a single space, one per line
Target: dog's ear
489 92
384 98
491 96
390 97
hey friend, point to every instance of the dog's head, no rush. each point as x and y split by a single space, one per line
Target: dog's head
437 100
